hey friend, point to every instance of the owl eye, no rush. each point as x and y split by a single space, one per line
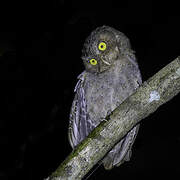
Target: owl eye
102 46
93 61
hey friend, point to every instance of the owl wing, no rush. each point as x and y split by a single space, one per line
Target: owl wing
79 125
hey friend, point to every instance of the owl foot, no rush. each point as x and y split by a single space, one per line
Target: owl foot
103 119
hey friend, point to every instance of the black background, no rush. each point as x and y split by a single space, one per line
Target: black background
39 63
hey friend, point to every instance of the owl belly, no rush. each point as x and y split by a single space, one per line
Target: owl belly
100 103
102 98
104 94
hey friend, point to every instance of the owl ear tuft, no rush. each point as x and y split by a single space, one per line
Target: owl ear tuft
123 41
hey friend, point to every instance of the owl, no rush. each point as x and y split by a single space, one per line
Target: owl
111 75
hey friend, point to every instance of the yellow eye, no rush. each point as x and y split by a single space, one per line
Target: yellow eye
102 46
93 61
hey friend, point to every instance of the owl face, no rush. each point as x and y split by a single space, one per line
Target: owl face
101 49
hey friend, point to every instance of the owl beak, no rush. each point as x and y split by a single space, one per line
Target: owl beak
105 62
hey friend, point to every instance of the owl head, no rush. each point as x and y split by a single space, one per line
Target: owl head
102 48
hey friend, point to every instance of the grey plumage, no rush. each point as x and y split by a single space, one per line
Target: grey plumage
111 75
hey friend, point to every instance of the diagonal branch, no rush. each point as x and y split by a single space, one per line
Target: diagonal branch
154 92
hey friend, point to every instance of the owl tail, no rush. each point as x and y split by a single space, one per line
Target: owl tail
121 151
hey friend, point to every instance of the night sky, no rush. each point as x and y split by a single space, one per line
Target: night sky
37 85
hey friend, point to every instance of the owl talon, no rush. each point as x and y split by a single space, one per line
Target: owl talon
103 119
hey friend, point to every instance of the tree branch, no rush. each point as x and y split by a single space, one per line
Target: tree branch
154 92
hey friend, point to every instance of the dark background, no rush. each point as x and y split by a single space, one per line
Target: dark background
37 84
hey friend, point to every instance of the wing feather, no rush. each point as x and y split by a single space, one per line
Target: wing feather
78 115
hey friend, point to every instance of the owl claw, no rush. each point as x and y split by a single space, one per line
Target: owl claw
103 119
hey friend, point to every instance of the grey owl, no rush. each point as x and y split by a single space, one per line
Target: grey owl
111 75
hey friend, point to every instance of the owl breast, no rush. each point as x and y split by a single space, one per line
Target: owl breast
105 91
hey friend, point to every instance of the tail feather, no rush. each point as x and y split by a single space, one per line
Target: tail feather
122 151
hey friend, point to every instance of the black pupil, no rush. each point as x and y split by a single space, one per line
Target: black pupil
101 46
93 61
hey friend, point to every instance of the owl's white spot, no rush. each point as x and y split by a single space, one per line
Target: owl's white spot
154 96
178 71
176 75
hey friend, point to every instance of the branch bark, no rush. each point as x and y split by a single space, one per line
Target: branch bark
154 92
